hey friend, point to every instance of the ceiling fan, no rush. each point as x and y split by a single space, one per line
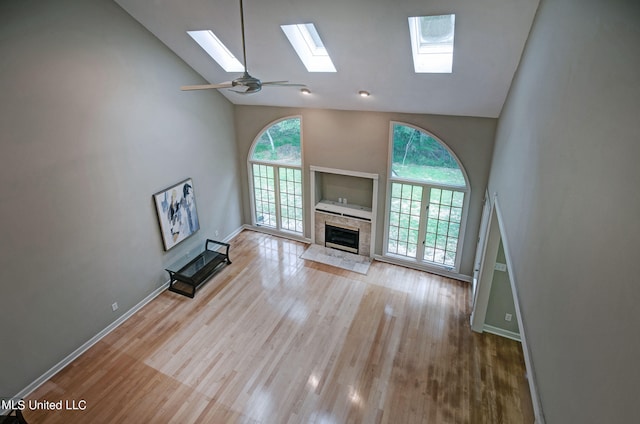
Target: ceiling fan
246 84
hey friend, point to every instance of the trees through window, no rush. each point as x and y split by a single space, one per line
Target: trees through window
276 175
427 196
428 191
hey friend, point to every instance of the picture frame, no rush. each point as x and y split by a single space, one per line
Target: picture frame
177 213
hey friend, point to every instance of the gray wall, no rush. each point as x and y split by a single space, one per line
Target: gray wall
92 123
359 141
566 172
501 299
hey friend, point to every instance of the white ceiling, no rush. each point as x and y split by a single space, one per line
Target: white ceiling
368 41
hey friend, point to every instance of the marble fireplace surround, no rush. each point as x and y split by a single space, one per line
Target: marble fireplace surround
327 210
364 241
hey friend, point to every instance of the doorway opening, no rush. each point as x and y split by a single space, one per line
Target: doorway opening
494 245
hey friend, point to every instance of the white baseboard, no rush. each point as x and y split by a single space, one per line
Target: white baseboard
501 332
443 272
86 346
234 233
276 233
431 270
95 339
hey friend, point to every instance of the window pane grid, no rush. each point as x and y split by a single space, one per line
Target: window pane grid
443 226
275 164
404 222
291 214
264 191
425 228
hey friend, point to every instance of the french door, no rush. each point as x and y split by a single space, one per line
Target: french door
425 223
277 193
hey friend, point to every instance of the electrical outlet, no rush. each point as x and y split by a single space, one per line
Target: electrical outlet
500 267
507 317
216 233
114 306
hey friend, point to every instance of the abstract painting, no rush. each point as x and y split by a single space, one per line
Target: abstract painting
176 208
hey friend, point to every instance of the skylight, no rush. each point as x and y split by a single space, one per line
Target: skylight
307 43
432 43
218 51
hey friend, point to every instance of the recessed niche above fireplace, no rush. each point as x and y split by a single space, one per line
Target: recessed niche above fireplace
344 198
344 189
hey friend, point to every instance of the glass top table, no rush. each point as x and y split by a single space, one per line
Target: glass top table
188 273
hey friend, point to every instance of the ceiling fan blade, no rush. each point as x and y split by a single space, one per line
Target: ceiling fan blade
246 84
206 86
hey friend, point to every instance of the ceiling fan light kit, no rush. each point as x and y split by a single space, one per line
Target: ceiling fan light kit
363 93
246 84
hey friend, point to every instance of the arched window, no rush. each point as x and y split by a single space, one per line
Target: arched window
275 172
427 198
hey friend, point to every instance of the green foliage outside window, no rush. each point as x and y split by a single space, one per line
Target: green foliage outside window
280 143
420 157
277 177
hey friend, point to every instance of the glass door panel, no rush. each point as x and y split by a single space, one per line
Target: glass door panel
404 219
291 214
443 226
264 191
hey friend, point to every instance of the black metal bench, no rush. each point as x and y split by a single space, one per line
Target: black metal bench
188 278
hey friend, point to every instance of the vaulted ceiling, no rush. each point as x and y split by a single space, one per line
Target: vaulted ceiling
369 43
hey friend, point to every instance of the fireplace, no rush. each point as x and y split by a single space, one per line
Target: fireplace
355 220
342 238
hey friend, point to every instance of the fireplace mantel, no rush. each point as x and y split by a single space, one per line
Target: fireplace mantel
360 187
342 209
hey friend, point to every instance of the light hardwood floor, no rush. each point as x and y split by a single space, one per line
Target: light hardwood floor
273 338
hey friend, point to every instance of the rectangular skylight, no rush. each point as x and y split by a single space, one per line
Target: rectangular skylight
218 51
307 43
432 43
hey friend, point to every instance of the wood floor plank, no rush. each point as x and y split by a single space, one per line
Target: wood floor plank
273 338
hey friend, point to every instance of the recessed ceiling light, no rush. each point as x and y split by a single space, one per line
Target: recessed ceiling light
432 43
218 51
307 43
305 91
363 93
